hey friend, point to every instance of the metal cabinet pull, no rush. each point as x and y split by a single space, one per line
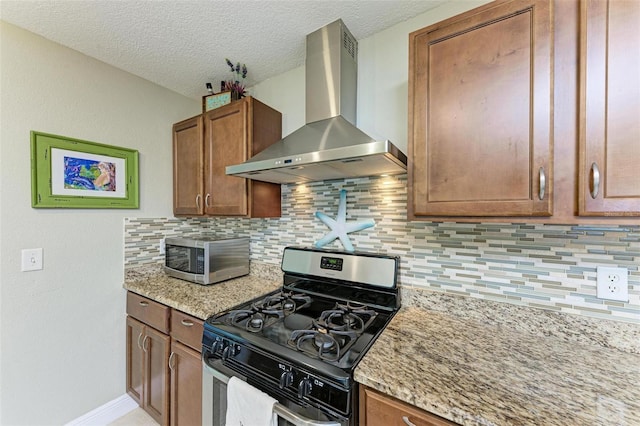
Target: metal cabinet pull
595 171
171 357
143 303
406 421
186 323
543 183
206 200
144 346
139 337
198 200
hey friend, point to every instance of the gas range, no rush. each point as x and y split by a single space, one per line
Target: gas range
301 343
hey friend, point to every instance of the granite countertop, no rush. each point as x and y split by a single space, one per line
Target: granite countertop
475 373
194 299
487 364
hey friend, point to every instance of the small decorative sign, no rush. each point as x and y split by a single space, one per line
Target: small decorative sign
217 100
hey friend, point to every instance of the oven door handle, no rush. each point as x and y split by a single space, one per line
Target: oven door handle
278 408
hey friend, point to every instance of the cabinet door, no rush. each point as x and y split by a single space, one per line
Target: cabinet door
188 167
610 108
186 385
135 359
380 410
156 396
480 111
225 144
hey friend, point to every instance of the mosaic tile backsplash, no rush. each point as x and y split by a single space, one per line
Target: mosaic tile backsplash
545 266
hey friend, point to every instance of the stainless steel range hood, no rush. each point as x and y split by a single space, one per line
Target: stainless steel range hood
329 146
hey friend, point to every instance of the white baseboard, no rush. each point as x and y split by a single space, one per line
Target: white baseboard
106 413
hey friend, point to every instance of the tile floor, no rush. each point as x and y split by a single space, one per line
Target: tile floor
137 417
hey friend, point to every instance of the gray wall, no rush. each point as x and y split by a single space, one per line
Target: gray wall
62 328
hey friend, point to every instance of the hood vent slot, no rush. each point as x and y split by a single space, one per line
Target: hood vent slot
350 45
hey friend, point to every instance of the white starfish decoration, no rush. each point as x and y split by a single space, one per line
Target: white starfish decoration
339 226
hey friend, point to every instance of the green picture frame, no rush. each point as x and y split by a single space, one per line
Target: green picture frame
78 174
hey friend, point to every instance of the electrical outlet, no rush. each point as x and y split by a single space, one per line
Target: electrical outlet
612 283
162 246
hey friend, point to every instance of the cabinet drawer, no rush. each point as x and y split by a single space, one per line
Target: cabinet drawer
149 312
187 329
380 410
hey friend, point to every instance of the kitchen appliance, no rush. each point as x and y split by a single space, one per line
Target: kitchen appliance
206 259
329 146
300 344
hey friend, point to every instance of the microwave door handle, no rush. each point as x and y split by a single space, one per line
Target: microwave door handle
278 408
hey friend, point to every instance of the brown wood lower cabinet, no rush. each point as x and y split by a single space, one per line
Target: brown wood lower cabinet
164 371
156 392
147 369
377 409
186 385
135 359
186 369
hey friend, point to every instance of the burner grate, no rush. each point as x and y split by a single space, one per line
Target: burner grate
334 332
268 310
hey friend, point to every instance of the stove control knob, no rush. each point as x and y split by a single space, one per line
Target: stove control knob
304 387
230 351
286 379
216 345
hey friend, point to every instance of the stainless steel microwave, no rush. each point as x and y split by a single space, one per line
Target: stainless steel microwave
206 260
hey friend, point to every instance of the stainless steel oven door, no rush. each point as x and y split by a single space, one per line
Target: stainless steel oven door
214 402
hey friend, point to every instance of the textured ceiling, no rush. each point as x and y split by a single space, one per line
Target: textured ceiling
181 44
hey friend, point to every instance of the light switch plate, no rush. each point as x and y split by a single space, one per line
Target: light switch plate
31 259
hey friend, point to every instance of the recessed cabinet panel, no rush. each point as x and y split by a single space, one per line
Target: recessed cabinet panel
188 157
226 143
156 347
480 113
135 359
186 386
479 107
610 108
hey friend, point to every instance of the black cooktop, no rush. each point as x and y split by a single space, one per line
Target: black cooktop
322 329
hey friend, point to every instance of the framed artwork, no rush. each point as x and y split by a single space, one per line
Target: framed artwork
72 173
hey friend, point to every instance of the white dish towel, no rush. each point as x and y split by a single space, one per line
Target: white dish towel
248 406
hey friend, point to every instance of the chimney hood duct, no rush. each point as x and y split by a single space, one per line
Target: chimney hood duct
329 146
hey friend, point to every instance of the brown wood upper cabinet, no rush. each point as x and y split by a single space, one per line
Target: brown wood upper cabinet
202 148
480 113
609 170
